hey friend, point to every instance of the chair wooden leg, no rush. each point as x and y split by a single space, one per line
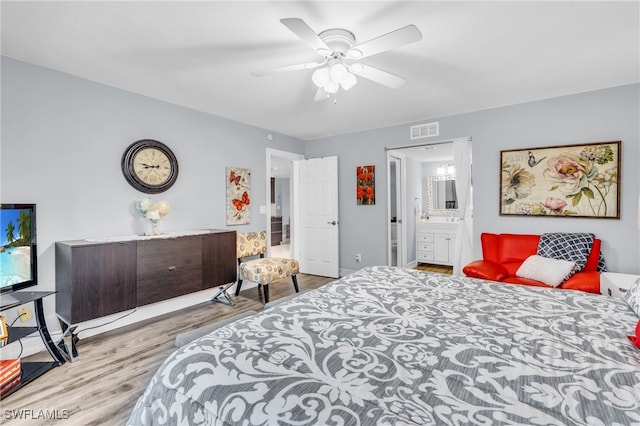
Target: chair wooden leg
266 293
238 287
295 283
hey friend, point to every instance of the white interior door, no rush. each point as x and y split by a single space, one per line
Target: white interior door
316 216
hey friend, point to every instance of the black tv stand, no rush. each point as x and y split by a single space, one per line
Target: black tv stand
31 370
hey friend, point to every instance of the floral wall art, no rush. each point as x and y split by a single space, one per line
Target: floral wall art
365 185
562 181
238 196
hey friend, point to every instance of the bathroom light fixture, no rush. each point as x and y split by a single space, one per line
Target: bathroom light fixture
447 168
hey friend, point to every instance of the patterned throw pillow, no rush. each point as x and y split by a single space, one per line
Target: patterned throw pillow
574 247
633 297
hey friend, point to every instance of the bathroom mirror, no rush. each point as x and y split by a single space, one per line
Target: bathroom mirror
441 192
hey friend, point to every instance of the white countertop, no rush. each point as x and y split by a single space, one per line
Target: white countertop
172 234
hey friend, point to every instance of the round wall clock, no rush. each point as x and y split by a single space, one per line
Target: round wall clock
149 166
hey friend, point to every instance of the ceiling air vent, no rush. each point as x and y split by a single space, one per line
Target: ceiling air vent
426 130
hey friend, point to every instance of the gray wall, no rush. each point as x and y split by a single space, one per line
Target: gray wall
62 142
603 115
63 138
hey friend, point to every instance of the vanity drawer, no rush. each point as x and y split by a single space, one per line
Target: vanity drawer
168 268
425 256
425 237
422 246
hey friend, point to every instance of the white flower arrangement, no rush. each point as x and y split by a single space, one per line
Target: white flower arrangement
158 210
155 212
143 205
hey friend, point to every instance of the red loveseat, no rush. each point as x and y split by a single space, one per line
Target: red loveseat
504 253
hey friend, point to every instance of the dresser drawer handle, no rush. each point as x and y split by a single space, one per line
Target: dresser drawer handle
172 268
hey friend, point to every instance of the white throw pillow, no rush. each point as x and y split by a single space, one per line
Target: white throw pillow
552 272
633 297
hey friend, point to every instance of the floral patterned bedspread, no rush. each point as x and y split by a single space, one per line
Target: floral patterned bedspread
391 346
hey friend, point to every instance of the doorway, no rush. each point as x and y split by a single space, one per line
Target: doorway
414 205
397 248
280 201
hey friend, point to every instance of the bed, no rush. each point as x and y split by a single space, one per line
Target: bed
392 346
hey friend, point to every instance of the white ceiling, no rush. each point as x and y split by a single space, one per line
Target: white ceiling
473 55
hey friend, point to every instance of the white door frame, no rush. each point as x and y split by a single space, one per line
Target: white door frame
292 156
395 152
401 208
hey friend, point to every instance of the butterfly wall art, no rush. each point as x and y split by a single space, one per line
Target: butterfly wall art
238 182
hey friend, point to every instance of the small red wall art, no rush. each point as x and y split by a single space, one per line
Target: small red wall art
366 185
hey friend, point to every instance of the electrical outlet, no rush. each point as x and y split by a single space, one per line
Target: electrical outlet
25 314
358 257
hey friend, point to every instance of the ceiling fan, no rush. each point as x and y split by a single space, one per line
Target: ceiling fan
341 54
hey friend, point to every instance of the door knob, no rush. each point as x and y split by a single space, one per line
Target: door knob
333 222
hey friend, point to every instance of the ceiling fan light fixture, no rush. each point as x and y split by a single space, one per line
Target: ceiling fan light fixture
323 51
331 87
338 73
321 76
355 53
349 81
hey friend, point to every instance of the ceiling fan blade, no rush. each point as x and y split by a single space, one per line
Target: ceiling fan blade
374 74
399 37
302 30
307 66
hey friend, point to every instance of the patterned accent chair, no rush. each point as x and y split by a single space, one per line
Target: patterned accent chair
262 270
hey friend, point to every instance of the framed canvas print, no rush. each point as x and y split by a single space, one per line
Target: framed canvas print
238 183
365 185
561 181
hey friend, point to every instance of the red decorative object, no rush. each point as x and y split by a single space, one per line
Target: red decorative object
636 339
365 185
502 255
10 374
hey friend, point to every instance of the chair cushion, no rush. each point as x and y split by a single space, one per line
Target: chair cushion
251 244
265 271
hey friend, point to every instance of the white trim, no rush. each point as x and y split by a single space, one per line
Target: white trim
271 152
401 210
415 145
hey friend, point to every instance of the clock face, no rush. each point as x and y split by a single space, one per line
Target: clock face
149 166
152 166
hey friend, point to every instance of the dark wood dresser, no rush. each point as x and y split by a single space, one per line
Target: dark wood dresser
95 278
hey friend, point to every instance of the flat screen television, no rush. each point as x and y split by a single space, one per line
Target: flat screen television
18 250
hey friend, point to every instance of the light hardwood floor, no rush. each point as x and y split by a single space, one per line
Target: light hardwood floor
441 269
114 368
